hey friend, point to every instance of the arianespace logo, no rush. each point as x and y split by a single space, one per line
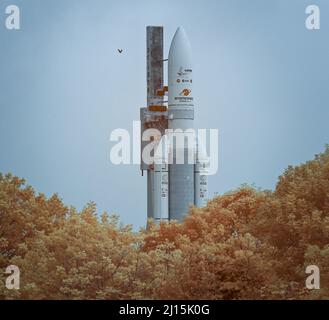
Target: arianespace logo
185 92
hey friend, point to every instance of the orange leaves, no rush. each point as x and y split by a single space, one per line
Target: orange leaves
246 244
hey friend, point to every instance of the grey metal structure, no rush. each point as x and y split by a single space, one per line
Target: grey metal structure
155 114
154 62
171 188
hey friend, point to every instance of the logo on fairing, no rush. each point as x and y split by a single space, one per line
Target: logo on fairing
183 72
185 92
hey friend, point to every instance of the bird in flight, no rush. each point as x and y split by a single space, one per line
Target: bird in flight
120 50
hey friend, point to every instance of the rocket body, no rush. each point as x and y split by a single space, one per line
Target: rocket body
181 119
178 179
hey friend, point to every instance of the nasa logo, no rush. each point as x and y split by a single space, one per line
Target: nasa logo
183 72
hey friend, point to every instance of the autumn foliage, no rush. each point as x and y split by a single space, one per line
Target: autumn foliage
246 244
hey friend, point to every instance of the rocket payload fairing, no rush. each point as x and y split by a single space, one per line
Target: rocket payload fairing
177 178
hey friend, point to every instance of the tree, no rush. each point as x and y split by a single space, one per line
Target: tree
246 244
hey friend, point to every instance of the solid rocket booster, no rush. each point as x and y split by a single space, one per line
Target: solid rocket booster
201 177
181 117
161 177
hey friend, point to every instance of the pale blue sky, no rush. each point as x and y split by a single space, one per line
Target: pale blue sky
260 77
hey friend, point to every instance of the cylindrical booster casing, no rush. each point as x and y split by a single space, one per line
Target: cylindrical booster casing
161 192
201 179
161 187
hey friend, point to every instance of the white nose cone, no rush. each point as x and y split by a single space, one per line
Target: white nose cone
180 80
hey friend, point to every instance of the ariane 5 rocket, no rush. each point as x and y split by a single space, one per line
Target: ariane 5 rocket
177 178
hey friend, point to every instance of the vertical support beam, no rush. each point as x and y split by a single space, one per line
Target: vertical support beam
154 64
150 189
154 74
